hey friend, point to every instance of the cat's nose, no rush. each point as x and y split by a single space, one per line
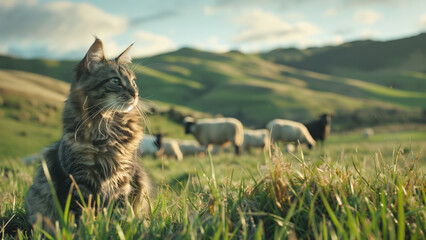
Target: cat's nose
133 93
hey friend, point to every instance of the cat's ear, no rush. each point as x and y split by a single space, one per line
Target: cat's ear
94 56
124 57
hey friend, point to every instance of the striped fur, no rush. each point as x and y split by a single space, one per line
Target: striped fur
101 133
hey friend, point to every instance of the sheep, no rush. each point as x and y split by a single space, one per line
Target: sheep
289 131
171 149
289 148
256 138
320 128
368 132
191 148
34 158
216 131
151 146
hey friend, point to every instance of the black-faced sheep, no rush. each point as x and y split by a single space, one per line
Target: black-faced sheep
216 131
171 149
289 131
256 139
151 146
320 128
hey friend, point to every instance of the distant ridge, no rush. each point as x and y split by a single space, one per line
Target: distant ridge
367 76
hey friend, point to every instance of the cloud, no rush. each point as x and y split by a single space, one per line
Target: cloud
212 44
376 2
367 16
260 26
153 17
56 27
148 44
330 12
368 34
337 40
422 22
239 3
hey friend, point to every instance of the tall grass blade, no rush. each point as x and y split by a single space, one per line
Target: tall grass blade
401 215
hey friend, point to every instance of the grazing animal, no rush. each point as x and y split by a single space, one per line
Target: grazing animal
320 128
151 146
98 148
191 148
256 138
33 158
218 131
171 149
289 131
289 148
368 132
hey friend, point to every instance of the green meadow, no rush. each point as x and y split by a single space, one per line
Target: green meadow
350 187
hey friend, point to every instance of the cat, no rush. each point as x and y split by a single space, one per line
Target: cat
98 148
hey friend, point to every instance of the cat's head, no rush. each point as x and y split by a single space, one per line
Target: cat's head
105 85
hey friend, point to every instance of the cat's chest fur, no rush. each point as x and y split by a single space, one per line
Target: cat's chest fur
107 149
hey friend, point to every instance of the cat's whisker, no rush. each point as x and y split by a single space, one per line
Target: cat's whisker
87 114
89 117
144 118
96 105
111 112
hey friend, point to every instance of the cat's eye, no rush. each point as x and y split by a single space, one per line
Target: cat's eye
116 81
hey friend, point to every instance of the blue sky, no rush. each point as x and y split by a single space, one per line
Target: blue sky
65 29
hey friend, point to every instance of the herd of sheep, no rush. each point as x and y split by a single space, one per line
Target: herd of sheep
210 133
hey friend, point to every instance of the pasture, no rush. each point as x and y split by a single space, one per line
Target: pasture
351 187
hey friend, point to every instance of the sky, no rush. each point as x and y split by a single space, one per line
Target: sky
66 29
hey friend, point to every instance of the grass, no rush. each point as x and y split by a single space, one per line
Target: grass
316 194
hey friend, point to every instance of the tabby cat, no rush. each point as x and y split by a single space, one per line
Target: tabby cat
98 147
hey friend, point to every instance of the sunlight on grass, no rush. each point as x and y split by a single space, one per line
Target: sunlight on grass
281 197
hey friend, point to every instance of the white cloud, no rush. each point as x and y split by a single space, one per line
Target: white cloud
212 44
57 27
368 33
209 10
367 16
331 12
148 44
422 22
260 26
6 4
337 40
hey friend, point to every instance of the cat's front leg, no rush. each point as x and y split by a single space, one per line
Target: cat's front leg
141 191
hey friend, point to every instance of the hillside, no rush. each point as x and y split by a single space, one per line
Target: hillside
255 88
31 107
399 63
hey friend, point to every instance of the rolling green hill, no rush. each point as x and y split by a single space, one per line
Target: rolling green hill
257 88
31 107
399 63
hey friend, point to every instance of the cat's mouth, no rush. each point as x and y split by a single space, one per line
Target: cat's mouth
132 105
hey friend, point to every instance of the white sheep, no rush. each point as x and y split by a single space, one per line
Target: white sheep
171 149
368 132
191 148
216 131
151 146
289 131
256 138
289 148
